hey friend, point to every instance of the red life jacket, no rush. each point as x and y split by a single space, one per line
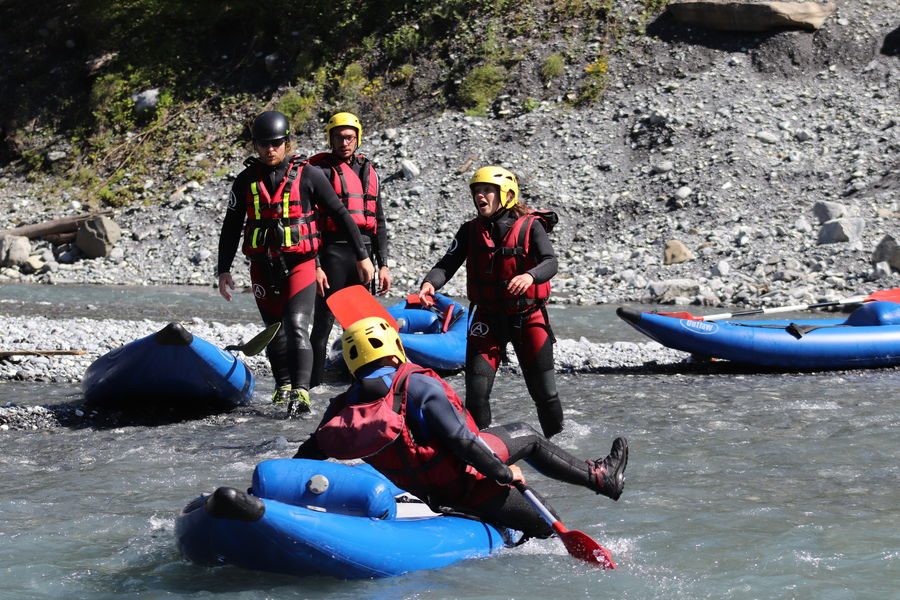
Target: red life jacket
280 222
358 195
489 267
378 433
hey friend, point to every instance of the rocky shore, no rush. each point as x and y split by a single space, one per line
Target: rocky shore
714 171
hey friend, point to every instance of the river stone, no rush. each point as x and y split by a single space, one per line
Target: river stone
841 230
97 236
828 211
735 15
887 251
14 250
676 252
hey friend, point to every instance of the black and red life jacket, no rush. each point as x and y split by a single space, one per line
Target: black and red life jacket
490 267
280 222
378 433
358 194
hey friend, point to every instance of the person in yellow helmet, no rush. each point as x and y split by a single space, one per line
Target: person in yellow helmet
410 424
357 185
275 203
509 262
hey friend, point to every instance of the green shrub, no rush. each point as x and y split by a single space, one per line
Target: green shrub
553 67
480 87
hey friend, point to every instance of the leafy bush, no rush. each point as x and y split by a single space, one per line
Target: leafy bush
554 66
480 87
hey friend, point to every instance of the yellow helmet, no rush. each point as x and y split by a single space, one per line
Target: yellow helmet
502 178
344 119
369 339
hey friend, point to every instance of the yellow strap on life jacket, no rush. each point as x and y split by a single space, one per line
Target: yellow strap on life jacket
254 190
285 211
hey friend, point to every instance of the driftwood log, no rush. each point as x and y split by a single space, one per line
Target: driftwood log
57 229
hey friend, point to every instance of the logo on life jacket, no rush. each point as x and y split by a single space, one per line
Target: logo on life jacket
479 329
259 291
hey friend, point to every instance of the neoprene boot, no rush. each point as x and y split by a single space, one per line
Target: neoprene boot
608 475
299 403
282 394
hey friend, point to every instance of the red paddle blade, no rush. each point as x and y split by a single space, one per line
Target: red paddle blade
353 303
892 295
681 315
583 547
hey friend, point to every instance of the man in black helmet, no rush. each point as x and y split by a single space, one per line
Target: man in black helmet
276 201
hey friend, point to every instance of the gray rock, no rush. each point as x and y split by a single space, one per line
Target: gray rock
841 230
96 237
826 211
887 251
676 252
14 250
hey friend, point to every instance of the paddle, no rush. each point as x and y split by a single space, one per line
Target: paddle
8 353
353 303
580 545
892 295
258 342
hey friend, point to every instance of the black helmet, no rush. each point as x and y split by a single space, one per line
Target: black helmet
270 125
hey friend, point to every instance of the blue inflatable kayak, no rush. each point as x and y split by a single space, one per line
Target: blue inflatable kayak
171 369
309 517
869 337
434 337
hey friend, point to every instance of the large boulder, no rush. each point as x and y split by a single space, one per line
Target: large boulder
14 250
97 236
841 230
676 252
887 251
735 15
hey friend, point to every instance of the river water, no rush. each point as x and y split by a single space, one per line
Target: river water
739 485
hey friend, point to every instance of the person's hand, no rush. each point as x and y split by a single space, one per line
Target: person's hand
366 270
427 289
321 281
226 285
518 284
516 473
384 280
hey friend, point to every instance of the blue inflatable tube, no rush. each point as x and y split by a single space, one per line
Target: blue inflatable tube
307 517
869 337
171 369
423 337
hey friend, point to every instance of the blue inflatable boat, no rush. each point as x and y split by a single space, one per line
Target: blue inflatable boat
171 370
869 337
309 517
433 336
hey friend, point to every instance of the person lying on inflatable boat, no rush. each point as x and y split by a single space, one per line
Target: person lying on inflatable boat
410 425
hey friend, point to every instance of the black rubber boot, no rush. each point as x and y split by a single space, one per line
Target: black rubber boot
608 475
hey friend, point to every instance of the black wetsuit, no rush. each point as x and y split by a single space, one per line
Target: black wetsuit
285 291
337 259
433 420
489 331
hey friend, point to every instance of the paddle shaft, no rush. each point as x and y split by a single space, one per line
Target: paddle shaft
783 309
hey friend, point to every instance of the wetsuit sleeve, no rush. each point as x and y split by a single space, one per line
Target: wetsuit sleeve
232 226
452 260
321 195
310 448
434 416
547 264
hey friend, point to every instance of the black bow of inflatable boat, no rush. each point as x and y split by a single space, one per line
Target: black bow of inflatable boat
626 313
